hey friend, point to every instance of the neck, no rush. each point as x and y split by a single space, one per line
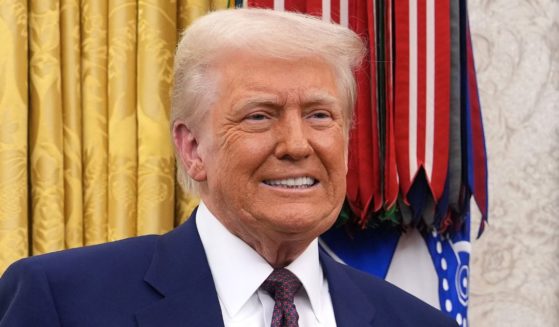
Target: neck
278 245
278 255
278 248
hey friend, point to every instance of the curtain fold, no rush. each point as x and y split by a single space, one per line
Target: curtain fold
45 127
123 153
85 149
94 109
14 199
72 122
188 11
156 43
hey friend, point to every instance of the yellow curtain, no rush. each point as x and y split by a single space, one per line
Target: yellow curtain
85 150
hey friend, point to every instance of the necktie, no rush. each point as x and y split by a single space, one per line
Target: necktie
282 286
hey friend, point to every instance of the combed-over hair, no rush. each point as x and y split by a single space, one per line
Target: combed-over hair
282 35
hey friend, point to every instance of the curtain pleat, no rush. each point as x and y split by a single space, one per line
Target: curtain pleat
85 149
46 146
13 132
189 10
72 120
123 155
156 171
94 108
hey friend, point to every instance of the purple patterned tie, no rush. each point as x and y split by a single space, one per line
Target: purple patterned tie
282 286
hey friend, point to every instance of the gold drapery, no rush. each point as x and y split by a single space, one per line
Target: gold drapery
85 150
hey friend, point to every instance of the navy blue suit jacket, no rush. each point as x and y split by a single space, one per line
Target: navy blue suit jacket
166 281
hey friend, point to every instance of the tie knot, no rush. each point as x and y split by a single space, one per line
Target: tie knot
282 285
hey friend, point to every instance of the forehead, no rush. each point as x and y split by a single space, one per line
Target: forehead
249 73
253 65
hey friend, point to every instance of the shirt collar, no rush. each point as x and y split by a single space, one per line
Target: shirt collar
228 257
309 271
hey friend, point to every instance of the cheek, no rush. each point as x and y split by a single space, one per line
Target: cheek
333 154
333 151
240 156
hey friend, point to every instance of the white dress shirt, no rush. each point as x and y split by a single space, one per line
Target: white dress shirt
238 271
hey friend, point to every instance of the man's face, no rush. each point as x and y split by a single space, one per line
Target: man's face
272 148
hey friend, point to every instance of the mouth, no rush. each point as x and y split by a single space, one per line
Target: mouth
292 182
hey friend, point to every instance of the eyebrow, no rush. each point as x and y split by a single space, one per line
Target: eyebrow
318 97
312 98
270 101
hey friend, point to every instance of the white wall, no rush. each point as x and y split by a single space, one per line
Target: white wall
515 267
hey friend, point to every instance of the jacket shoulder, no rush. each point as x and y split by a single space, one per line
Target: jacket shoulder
115 254
69 286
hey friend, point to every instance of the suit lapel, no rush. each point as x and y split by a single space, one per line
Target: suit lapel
180 273
351 306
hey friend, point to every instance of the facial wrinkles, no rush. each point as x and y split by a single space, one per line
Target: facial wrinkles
235 80
299 99
230 127
340 117
240 152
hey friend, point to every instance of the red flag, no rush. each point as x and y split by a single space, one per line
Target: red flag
261 3
390 169
363 184
437 164
422 92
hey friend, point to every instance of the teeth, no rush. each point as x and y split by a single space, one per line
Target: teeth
298 182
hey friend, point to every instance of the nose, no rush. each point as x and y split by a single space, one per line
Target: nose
292 140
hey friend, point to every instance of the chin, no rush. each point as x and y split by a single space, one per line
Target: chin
304 222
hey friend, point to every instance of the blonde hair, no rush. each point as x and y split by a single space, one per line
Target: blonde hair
282 35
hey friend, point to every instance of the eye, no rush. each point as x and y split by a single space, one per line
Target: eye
320 115
258 116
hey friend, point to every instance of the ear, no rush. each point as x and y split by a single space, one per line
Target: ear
188 152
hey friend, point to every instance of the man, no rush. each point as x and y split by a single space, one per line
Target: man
262 108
